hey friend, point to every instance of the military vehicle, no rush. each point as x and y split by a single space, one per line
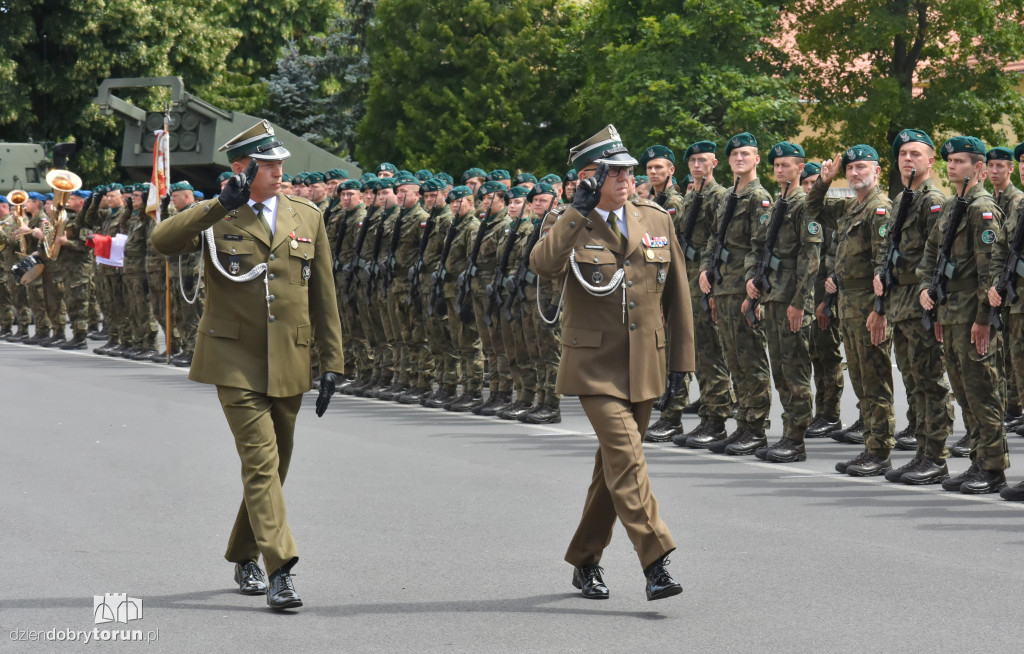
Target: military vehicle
196 129
24 166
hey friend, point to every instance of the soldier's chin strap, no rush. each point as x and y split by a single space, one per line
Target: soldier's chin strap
207 241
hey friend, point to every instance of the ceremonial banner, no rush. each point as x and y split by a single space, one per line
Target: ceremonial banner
161 174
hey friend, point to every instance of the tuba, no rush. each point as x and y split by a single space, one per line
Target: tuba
63 183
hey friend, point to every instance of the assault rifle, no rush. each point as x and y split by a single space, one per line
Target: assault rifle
388 267
1006 282
373 268
494 300
720 254
945 269
463 303
515 285
415 300
768 261
440 275
351 268
892 253
691 222
342 231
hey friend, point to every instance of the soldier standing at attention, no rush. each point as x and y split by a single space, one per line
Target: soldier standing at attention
619 330
918 354
860 224
973 356
788 309
1015 324
244 332
743 344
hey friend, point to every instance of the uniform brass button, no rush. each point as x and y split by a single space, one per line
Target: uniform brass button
632 305
233 250
272 257
630 283
270 276
573 340
213 331
272 318
306 256
596 260
626 262
572 223
271 298
632 326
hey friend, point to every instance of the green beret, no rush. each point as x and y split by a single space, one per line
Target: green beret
300 178
460 191
700 147
968 144
471 173
785 149
118 187
688 180
910 136
142 187
744 140
351 185
859 153
1018 152
525 178
492 187
284 178
433 184
335 173
571 175
543 188
642 179
446 178
551 178
315 178
385 182
518 192
423 174
1000 154
402 180
102 188
367 177
810 169
387 168
224 175
177 186
497 174
656 152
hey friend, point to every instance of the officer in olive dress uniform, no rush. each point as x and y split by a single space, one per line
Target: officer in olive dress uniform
269 287
626 315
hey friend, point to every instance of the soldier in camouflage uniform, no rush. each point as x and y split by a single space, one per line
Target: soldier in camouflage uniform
157 273
787 310
386 350
143 328
103 218
860 226
16 310
43 312
744 345
185 280
973 352
77 267
918 354
342 229
353 290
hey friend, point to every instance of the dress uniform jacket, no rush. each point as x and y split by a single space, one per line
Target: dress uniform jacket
610 345
240 334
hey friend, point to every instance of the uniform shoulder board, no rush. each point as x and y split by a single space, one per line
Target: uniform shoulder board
301 200
643 202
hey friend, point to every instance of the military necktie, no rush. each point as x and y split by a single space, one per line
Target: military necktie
613 222
258 208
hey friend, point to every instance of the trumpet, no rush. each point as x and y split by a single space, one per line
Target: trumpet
63 183
18 198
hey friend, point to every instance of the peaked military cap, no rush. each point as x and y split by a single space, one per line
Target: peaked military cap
1018 152
543 188
525 178
257 142
744 140
459 192
700 147
657 152
551 178
498 173
785 149
492 186
181 186
518 192
968 144
910 136
810 169
1000 153
860 153
227 175
446 178
351 185
387 168
571 175
604 147
473 172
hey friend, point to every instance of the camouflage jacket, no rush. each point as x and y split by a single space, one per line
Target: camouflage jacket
797 247
1011 202
487 260
751 211
458 256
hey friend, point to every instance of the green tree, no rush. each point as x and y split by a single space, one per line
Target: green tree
875 67
673 72
467 83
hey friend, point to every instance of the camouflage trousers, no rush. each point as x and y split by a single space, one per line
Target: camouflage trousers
492 345
441 353
18 308
520 362
467 342
369 320
76 295
544 343
354 344
6 304
790 357
158 305
184 315
111 296
870 371
746 355
37 302
143 328
95 314
977 381
827 360
1013 359
920 361
403 342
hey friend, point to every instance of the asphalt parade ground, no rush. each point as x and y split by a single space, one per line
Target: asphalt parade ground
426 531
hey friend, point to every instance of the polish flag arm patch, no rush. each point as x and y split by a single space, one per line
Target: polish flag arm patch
936 208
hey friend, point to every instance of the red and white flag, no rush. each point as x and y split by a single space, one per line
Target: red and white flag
161 174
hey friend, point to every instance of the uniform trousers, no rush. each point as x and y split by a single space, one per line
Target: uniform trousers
870 371
920 361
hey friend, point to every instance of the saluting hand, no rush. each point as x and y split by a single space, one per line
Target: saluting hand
328 382
236 192
588 192
830 168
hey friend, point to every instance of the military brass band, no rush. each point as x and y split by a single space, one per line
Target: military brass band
614 282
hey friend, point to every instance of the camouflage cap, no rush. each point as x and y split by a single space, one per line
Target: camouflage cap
518 192
700 147
543 188
809 170
525 178
604 147
860 153
968 144
473 172
257 142
743 140
910 136
1000 153
459 192
785 149
498 173
656 152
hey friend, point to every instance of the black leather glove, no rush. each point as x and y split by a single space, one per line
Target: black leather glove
551 312
129 202
328 382
588 193
236 192
165 206
675 383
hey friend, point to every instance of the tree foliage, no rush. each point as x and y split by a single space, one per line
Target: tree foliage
875 67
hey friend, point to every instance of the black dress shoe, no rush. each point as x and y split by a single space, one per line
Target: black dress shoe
250 578
962 447
895 474
871 466
928 471
663 430
786 450
718 446
822 425
853 434
660 583
954 483
1014 494
588 579
906 440
693 408
987 481
751 441
467 402
77 343
281 591
544 414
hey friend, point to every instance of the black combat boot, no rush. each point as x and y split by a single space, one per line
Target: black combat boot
751 441
467 402
700 438
822 425
718 446
906 440
544 414
663 430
